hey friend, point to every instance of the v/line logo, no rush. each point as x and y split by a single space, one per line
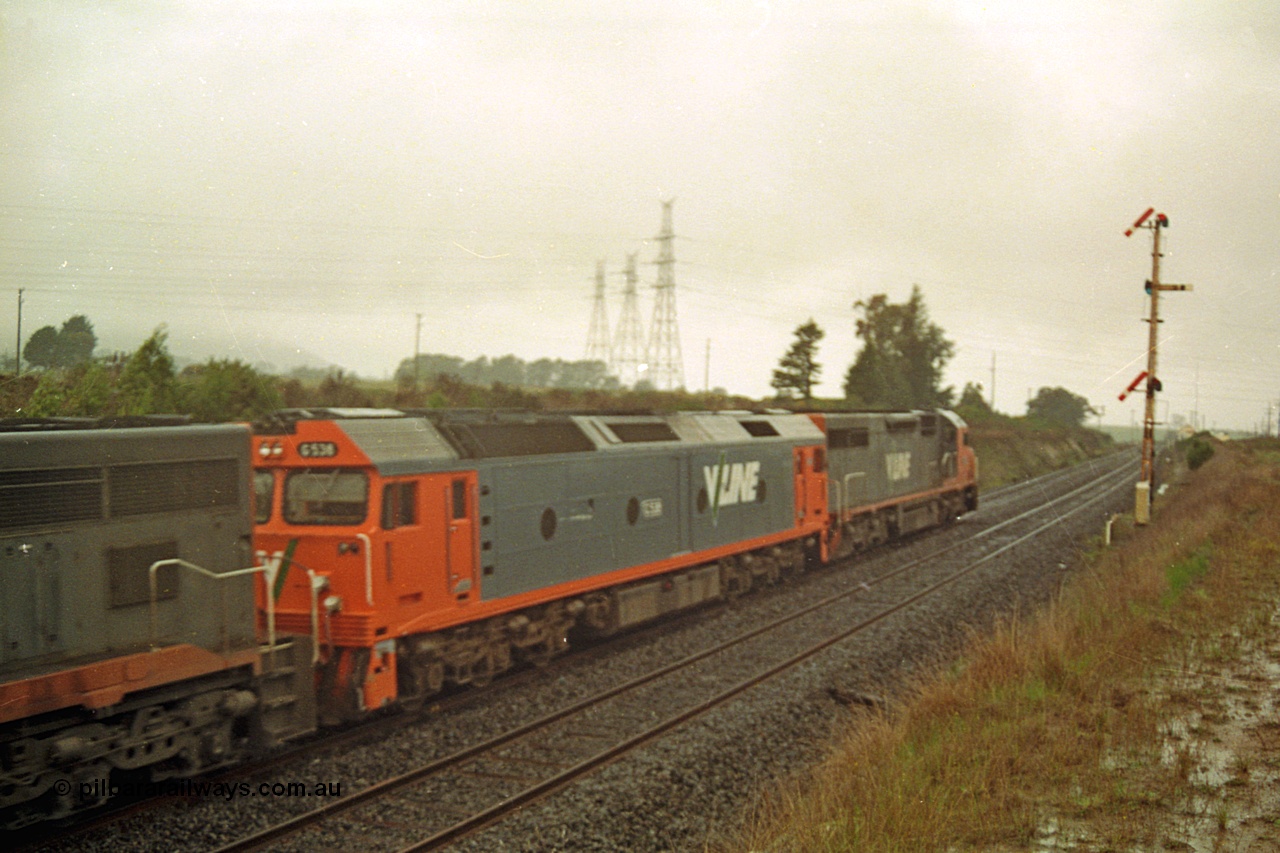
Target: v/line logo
277 565
730 484
898 465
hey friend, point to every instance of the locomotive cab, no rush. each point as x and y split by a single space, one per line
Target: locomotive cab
964 472
356 551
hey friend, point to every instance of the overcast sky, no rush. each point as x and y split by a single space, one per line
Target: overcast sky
282 182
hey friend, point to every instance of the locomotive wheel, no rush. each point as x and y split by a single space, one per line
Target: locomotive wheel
433 676
482 671
539 654
428 678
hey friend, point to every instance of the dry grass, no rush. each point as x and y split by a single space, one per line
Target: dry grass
1054 715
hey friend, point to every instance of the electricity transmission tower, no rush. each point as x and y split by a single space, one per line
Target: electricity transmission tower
598 335
628 341
666 364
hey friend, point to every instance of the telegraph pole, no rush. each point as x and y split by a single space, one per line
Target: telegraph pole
1143 494
417 337
993 381
17 353
706 369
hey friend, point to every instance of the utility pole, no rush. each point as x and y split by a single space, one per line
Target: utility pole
993 381
1143 493
706 369
1195 415
417 338
17 353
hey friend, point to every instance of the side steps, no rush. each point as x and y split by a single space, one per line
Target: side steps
286 693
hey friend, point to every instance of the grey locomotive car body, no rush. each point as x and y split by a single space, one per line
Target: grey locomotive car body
654 489
83 516
128 626
892 473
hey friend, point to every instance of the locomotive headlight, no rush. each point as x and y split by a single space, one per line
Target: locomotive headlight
271 450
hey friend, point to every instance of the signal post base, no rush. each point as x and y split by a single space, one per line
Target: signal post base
1142 503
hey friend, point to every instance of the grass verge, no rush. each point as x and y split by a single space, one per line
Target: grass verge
1063 716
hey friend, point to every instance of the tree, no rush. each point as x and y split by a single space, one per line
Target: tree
585 374
543 373
973 406
148 384
76 342
42 347
339 389
902 358
972 397
509 370
797 370
71 346
1059 406
428 365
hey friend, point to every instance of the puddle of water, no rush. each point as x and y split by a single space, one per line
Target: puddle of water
1230 742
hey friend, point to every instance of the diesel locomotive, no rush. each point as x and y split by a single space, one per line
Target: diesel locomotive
421 549
176 598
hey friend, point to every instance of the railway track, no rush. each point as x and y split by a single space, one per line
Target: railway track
449 798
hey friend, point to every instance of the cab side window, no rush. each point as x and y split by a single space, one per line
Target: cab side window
399 505
459 499
264 484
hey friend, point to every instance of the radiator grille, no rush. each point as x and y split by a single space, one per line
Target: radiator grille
168 486
49 496
53 496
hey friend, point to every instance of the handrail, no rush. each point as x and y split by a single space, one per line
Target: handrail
234 573
315 583
368 567
848 489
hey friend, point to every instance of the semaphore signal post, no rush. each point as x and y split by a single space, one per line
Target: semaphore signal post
1143 494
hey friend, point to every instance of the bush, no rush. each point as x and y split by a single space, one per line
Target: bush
226 390
1199 451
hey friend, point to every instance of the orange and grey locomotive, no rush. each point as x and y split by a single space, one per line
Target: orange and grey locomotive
893 473
431 548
